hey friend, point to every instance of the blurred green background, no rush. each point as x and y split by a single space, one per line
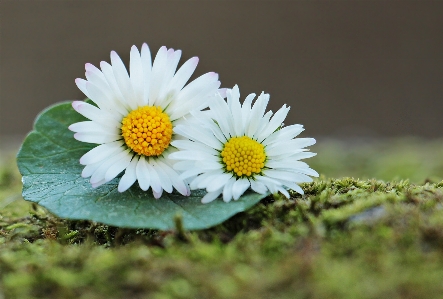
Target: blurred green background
413 159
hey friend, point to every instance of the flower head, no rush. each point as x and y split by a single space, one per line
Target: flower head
233 147
134 117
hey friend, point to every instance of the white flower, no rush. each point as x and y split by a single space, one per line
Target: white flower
135 116
233 147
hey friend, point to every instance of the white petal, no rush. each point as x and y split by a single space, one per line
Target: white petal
273 188
222 92
210 124
258 186
271 163
99 174
165 181
293 143
98 184
94 73
223 116
98 138
183 165
158 70
105 103
81 84
208 165
136 75
283 191
211 196
303 155
102 95
264 122
294 157
118 167
91 168
129 178
257 113
194 146
171 67
147 68
274 123
155 179
208 178
239 187
183 74
217 132
95 114
227 190
293 186
233 97
293 146
293 166
110 78
194 88
279 152
246 109
190 155
184 104
285 133
199 135
287 175
307 171
177 183
91 126
197 101
123 81
190 173
157 195
101 152
142 173
267 180
196 183
271 184
218 182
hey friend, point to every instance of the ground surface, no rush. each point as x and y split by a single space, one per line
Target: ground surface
377 235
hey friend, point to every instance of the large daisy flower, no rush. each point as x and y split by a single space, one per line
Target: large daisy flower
134 117
233 147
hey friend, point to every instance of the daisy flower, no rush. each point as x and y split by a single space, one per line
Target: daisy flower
134 115
233 147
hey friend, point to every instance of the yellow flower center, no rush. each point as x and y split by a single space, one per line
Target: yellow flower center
147 130
243 156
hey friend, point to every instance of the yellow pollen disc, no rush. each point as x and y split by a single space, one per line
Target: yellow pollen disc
147 130
243 156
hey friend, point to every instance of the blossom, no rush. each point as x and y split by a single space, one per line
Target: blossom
233 147
134 115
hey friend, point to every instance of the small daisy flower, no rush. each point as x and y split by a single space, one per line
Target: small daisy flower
135 115
233 147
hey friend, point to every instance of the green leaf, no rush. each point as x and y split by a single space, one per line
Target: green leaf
49 163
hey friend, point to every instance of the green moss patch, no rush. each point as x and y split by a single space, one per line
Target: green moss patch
345 238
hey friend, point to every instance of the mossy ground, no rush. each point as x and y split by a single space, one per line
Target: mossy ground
380 236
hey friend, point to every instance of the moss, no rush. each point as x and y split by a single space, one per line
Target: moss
345 238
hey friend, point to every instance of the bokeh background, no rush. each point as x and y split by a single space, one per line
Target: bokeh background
347 68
